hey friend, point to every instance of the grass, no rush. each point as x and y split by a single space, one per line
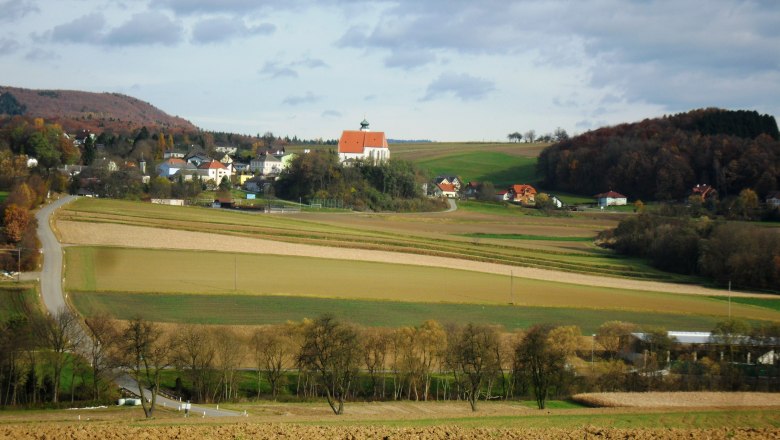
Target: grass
499 168
258 310
528 237
772 304
17 302
3 195
631 420
107 269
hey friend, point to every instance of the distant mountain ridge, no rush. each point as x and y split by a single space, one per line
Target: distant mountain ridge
76 110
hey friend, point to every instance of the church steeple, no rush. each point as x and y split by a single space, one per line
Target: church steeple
364 125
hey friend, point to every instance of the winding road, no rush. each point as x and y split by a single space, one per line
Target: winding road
54 297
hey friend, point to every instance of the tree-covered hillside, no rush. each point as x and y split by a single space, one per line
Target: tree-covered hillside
663 158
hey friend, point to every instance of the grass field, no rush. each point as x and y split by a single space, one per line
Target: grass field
772 304
3 195
499 168
17 301
258 310
427 233
130 271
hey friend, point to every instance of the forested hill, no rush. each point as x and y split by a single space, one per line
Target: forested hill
663 158
76 110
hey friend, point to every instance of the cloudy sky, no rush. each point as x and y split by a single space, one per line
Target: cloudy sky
432 69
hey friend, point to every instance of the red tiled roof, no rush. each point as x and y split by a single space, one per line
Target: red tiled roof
214 164
354 141
523 189
446 187
610 195
175 161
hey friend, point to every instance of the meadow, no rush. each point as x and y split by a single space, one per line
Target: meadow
18 301
236 288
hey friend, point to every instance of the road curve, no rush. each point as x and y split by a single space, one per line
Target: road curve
51 272
54 299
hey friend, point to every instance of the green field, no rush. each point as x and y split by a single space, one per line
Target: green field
133 271
17 301
256 310
772 304
499 168
528 237
3 195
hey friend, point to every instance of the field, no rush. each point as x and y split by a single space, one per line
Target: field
17 301
114 272
501 169
401 420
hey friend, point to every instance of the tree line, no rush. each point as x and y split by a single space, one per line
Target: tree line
663 158
336 360
744 255
393 185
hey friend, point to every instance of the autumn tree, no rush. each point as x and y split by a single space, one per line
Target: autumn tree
540 360
274 354
614 336
15 221
331 349
231 351
474 353
146 351
376 344
195 354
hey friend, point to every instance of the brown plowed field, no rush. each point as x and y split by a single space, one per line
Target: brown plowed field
87 431
104 234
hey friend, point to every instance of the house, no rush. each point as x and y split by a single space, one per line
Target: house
266 165
706 192
170 154
773 199
226 159
472 190
450 179
363 145
213 170
445 190
240 167
169 167
226 149
522 193
197 159
503 195
611 198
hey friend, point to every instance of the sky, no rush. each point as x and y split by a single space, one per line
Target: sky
444 70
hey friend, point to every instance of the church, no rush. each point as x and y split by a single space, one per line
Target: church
363 144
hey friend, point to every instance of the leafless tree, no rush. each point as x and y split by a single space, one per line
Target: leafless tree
98 351
274 353
231 351
62 334
376 343
146 351
195 353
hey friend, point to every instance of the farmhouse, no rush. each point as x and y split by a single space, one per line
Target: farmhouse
213 170
449 179
773 199
445 190
363 145
611 198
522 193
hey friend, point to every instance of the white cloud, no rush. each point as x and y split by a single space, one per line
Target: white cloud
463 86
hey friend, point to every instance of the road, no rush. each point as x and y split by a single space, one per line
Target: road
54 299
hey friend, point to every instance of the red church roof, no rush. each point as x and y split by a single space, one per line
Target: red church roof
355 141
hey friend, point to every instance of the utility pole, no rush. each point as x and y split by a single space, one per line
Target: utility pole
512 287
729 299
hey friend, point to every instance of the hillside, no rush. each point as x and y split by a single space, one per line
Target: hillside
76 110
663 158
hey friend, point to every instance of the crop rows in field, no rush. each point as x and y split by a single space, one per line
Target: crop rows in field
296 230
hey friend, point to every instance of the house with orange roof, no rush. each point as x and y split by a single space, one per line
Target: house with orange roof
446 190
611 198
525 194
363 144
213 170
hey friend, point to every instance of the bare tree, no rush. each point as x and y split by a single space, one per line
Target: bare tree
274 351
231 351
62 334
530 136
98 352
376 343
331 349
474 352
195 353
146 351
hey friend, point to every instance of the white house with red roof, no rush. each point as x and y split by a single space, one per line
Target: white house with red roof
522 193
611 198
363 144
213 170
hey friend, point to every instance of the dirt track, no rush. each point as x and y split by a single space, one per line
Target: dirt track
103 234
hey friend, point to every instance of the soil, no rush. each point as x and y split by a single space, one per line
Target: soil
104 234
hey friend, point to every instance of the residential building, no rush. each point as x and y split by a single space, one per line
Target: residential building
611 198
522 193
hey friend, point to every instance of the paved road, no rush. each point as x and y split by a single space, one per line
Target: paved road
51 273
54 299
